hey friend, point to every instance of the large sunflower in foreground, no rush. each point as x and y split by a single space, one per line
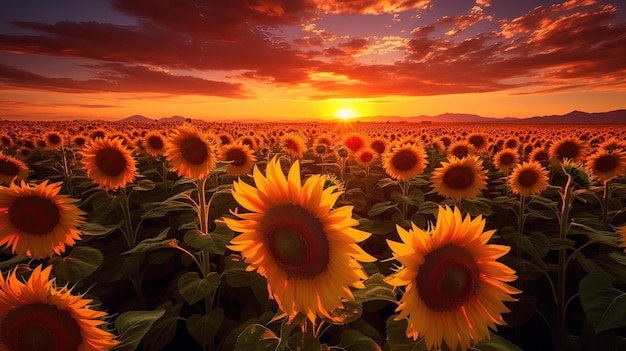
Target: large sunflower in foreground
37 221
460 178
190 152
307 252
11 169
108 162
454 286
38 315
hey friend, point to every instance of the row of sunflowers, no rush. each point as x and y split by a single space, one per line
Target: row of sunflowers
320 236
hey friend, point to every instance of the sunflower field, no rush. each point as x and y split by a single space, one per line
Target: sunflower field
312 236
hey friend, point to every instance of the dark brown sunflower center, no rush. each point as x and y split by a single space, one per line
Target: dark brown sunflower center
366 157
296 240
606 163
343 153
320 149
40 327
379 146
477 140
34 215
155 142
224 140
541 156
54 139
447 278
8 168
511 144
528 178
459 177
291 144
568 149
404 160
110 161
460 151
238 157
194 150
506 159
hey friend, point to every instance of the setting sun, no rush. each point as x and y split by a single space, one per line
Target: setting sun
345 113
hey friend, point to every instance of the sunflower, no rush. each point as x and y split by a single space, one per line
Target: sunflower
480 142
241 156
39 315
11 169
53 140
540 155
154 144
22 153
37 221
321 149
79 141
529 178
293 144
506 159
405 161
307 252
460 178
567 148
190 153
379 145
366 156
354 142
455 288
460 149
606 165
108 163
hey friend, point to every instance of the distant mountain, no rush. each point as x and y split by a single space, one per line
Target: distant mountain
172 119
137 119
574 117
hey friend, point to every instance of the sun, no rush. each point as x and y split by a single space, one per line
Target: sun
345 113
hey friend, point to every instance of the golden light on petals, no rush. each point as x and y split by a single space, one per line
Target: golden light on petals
154 143
306 249
38 315
605 164
11 169
454 287
37 221
190 153
405 161
529 178
460 178
506 159
108 162
293 144
241 158
568 148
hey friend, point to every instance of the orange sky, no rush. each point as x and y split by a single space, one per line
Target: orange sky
289 60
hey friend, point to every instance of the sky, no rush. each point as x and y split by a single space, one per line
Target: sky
297 59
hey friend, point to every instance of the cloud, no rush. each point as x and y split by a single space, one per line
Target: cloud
119 78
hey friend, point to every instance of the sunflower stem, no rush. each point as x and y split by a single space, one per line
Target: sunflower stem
404 185
521 221
203 212
128 233
562 268
605 203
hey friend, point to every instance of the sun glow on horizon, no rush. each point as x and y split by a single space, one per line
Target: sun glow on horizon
345 113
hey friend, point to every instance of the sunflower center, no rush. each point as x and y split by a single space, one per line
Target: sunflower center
8 168
34 215
296 240
404 160
605 163
237 156
110 161
459 177
366 157
527 178
40 327
291 144
447 278
476 140
194 150
511 144
378 146
506 159
568 149
155 142
320 149
460 151
54 139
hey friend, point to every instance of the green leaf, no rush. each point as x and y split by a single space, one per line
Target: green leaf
215 242
428 207
375 289
133 326
385 182
203 327
96 229
158 242
397 339
353 340
496 343
193 288
350 312
257 338
381 207
79 264
144 185
604 305
304 342
164 329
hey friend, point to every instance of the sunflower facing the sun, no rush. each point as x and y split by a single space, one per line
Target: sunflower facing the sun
307 251
37 221
454 287
109 163
190 152
38 315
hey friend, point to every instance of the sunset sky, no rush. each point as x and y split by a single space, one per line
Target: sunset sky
294 59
